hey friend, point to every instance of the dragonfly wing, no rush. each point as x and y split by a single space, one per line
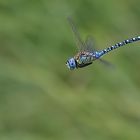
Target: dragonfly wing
106 63
90 44
80 43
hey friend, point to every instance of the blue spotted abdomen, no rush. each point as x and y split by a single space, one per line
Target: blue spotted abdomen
98 54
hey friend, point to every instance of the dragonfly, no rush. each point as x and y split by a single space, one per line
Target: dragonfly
86 54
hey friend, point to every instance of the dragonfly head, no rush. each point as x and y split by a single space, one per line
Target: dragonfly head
71 63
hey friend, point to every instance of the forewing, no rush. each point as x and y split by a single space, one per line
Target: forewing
80 43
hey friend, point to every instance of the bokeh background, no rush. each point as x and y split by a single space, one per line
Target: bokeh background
40 99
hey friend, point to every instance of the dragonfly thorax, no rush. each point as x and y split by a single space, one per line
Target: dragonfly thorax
83 59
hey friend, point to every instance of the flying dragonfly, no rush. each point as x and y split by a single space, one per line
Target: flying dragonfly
86 53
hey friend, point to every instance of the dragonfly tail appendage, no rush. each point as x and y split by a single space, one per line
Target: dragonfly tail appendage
117 45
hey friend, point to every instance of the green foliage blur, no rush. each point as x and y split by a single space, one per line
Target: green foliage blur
40 99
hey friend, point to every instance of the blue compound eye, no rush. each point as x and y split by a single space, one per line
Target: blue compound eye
71 64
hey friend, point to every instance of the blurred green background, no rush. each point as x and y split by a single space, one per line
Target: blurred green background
40 99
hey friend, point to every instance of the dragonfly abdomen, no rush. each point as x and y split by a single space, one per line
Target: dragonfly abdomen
117 45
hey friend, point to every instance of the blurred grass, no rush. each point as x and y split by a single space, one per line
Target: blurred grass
40 98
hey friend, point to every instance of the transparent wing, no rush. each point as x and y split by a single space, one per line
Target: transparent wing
80 43
89 43
106 63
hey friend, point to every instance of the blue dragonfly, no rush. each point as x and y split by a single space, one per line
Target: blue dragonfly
86 53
